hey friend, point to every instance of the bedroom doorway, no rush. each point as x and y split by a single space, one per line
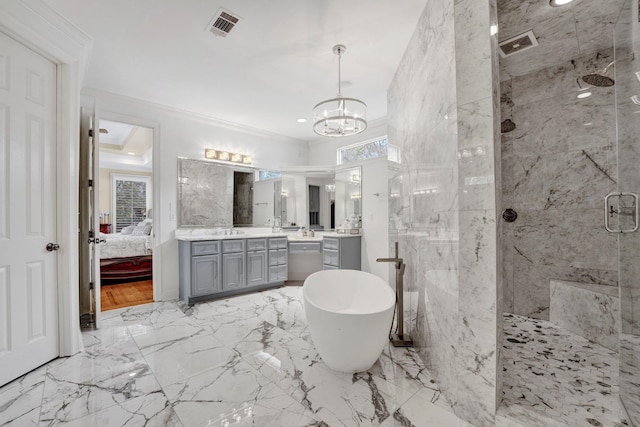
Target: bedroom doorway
125 214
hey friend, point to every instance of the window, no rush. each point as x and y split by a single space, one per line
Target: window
264 175
131 197
370 149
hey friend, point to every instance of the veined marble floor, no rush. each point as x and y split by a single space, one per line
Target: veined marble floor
242 361
553 377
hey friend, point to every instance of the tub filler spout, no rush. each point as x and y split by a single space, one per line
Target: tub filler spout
399 339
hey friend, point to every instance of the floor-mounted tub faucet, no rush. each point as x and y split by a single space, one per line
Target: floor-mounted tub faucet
399 339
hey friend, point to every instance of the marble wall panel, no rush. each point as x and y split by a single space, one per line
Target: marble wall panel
561 78
564 123
591 311
562 181
560 237
442 114
530 283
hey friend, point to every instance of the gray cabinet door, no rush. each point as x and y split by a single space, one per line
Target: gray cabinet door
256 268
233 270
205 275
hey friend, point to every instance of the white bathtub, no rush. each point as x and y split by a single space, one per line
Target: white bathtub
349 314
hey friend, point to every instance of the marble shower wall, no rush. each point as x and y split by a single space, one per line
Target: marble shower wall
443 114
557 166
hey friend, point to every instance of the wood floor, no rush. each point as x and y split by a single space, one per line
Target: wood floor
126 294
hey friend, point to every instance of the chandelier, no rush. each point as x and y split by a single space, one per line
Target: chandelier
339 116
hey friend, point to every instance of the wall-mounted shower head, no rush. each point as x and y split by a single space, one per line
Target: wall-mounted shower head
507 126
599 79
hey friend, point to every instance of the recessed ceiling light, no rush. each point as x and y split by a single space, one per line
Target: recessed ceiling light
131 153
301 120
584 95
556 3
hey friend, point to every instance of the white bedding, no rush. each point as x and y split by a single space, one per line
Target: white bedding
119 246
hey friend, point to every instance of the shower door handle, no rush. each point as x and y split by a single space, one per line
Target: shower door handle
609 210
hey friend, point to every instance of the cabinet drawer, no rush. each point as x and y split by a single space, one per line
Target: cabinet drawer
304 247
331 243
229 246
278 243
278 257
278 273
256 244
330 257
205 248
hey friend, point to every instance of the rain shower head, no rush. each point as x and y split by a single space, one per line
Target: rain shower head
599 79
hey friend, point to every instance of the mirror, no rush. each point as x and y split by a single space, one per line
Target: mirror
214 195
348 198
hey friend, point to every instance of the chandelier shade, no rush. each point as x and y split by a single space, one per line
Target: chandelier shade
339 116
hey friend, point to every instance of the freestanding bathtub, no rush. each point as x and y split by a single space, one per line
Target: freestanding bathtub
349 314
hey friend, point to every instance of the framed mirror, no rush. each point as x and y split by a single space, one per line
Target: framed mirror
214 195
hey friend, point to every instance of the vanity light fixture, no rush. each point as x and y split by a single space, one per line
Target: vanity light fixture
339 116
213 154
558 3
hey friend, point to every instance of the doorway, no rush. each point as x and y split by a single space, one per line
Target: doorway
125 214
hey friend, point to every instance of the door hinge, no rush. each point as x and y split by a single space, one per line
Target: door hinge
91 234
90 183
90 133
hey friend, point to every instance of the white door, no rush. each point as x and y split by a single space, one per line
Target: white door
28 271
89 243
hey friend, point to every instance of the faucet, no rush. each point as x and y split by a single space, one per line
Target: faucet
277 224
398 339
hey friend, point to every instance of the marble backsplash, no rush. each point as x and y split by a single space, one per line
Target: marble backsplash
557 166
442 114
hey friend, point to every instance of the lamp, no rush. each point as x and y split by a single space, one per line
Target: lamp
339 116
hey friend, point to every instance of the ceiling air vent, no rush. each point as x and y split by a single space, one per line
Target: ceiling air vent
223 23
517 44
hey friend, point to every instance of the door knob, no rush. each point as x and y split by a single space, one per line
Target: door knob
52 247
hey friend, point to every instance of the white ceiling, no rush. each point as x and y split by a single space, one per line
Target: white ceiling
277 63
273 67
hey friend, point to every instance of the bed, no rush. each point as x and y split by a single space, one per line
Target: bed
126 256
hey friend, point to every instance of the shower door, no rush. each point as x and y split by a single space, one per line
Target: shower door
627 87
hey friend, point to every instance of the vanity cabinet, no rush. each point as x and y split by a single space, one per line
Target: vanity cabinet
212 269
233 264
278 259
256 262
199 269
341 253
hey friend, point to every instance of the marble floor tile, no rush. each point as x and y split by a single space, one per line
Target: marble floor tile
249 361
563 376
21 399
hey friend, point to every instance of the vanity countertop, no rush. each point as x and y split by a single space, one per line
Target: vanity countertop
195 235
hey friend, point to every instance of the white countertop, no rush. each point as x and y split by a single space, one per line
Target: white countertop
198 234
